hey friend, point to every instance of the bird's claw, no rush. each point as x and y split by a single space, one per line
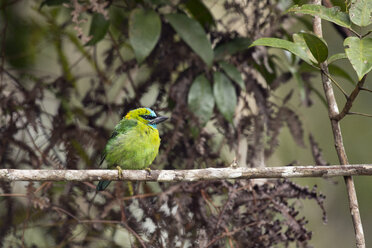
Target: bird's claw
120 172
148 171
234 164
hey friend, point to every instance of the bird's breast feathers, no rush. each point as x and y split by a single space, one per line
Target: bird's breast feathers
134 149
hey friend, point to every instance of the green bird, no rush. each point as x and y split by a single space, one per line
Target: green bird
134 143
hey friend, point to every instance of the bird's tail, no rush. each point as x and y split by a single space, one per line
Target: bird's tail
102 185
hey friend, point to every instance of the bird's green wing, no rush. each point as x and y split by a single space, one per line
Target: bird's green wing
121 128
103 155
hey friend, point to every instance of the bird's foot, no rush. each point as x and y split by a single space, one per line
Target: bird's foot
234 164
120 172
148 171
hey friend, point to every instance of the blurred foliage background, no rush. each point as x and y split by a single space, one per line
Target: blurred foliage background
71 69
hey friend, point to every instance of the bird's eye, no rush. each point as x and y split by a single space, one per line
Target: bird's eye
148 117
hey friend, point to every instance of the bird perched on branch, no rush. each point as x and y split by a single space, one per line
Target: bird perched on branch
134 143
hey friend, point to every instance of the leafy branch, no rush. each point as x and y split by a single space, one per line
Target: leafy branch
312 49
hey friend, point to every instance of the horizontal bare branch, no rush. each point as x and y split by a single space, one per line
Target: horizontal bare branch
11 175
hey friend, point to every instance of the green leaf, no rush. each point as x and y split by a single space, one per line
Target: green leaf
231 47
292 47
340 3
118 16
200 99
360 12
19 43
359 52
330 14
157 2
200 12
307 68
224 95
300 82
338 71
193 34
336 57
52 3
233 73
303 67
317 46
98 29
299 39
144 32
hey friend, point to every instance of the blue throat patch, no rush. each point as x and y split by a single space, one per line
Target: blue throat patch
152 113
153 126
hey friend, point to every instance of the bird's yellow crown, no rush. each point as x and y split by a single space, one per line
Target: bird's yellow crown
146 116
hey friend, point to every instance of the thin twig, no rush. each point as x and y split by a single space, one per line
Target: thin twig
16 82
335 82
339 145
358 113
127 198
117 222
44 156
365 89
230 233
366 34
351 99
13 195
221 213
134 233
59 210
356 33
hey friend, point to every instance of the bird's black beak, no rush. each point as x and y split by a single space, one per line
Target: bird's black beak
158 120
